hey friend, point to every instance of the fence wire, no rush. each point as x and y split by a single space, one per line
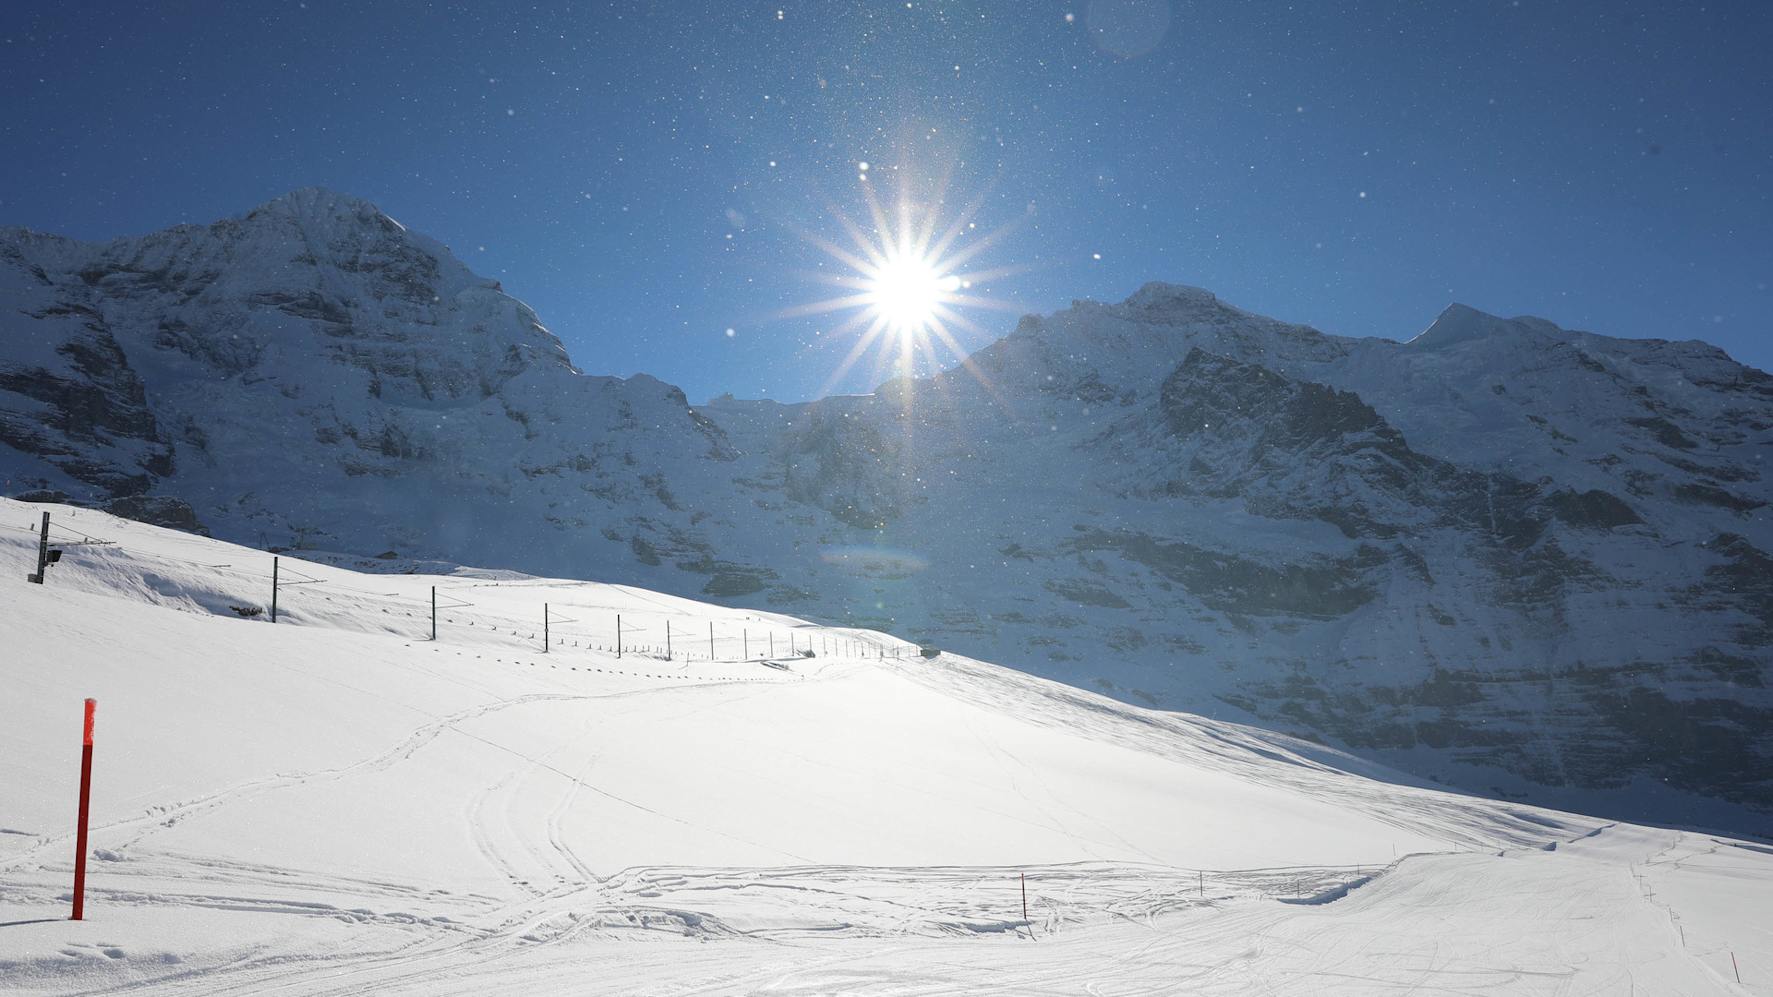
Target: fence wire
639 635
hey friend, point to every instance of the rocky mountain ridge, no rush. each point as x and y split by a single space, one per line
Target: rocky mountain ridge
1510 556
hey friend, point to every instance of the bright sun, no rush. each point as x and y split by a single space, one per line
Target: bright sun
909 279
907 290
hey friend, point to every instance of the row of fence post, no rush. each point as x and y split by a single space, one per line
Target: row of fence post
45 556
620 646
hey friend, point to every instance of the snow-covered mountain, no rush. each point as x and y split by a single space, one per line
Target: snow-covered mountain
1506 555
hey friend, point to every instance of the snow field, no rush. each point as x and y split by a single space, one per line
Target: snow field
338 806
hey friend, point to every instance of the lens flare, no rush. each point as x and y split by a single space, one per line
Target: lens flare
910 278
906 290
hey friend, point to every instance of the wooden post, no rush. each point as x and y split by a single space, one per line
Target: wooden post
274 561
544 628
618 635
42 553
667 640
85 811
710 642
433 612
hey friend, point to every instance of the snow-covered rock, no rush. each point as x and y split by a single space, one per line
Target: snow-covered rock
1518 558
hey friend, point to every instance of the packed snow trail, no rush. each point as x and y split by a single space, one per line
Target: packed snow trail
335 806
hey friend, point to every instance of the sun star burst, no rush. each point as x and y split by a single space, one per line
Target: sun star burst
910 280
906 289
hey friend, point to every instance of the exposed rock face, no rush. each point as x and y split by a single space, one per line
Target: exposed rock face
71 396
157 510
1504 554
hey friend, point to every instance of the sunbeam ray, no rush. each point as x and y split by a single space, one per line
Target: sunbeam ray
904 271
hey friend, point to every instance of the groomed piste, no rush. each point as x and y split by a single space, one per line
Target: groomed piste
339 803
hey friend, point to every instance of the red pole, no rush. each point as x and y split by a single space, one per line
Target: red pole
85 799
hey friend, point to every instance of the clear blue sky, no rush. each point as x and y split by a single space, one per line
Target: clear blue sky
638 172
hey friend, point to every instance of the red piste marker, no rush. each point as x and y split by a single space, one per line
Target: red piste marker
85 798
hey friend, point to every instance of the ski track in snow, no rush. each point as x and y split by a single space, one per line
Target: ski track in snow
169 815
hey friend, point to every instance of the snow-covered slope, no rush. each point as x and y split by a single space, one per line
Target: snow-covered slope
1512 557
338 804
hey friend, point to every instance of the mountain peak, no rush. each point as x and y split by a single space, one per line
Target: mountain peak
1459 323
322 204
1159 295
315 198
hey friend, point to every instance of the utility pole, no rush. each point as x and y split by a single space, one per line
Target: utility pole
42 553
274 561
433 613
